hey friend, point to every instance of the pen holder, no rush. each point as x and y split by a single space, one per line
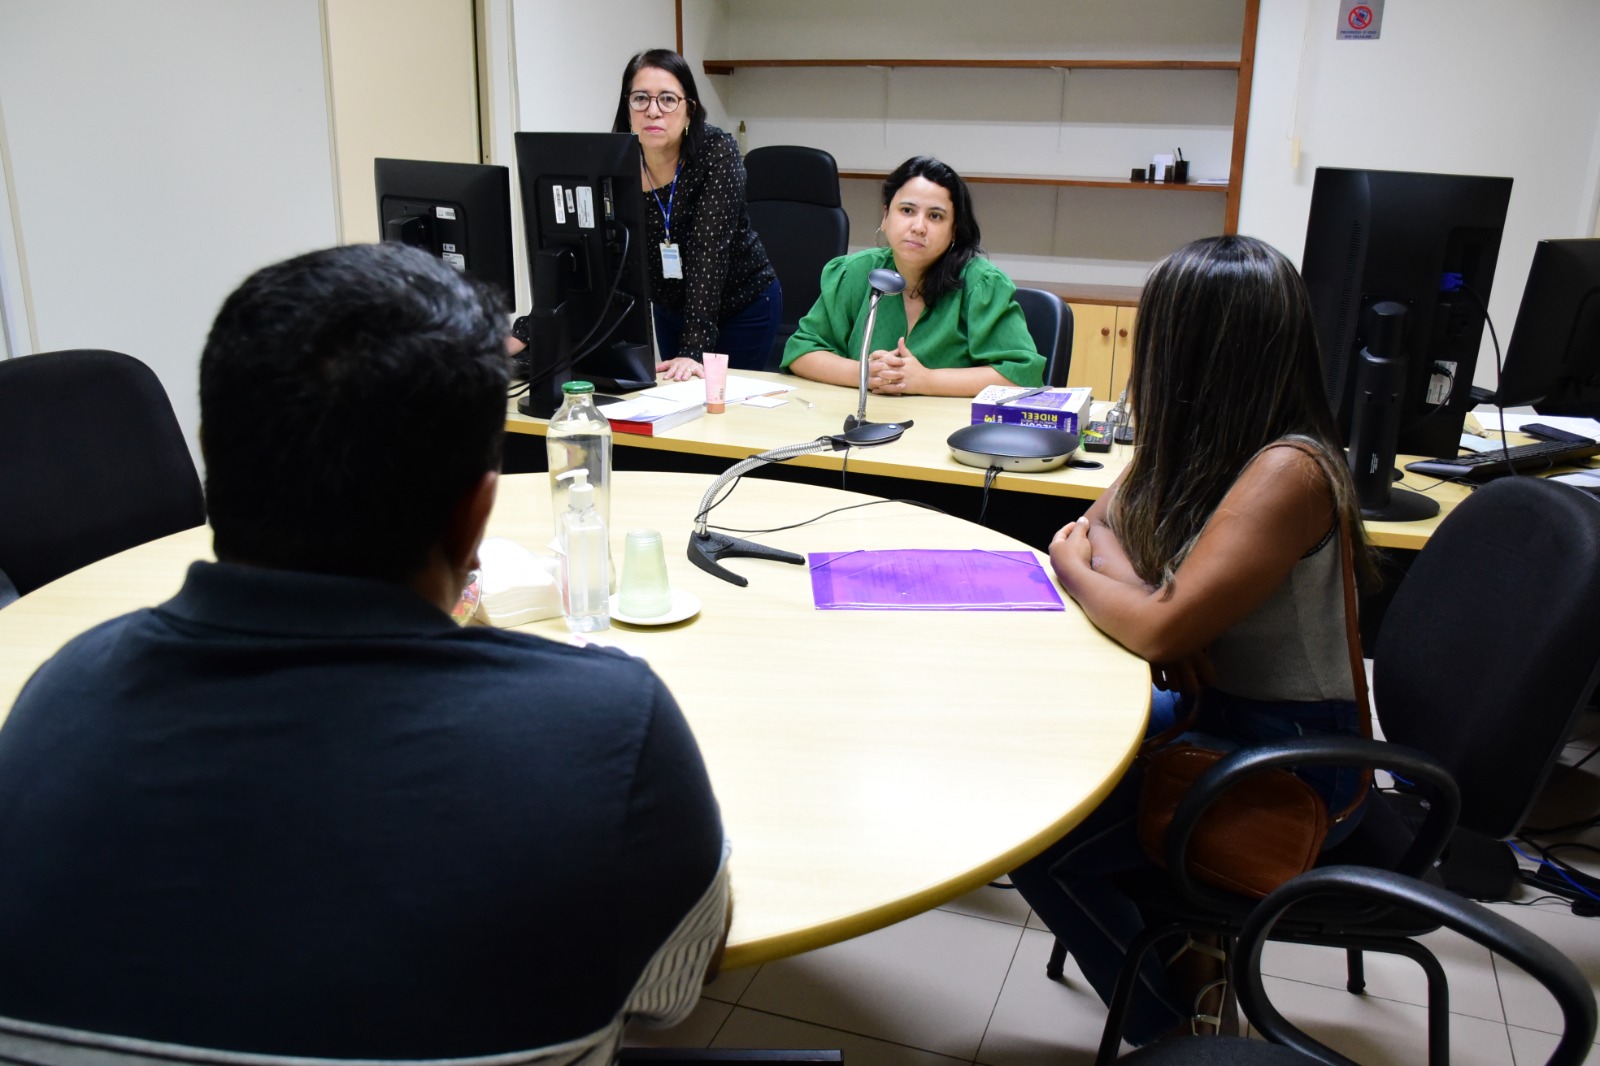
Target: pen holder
1180 172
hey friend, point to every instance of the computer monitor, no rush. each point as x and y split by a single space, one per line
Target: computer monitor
1553 360
1421 240
583 215
460 212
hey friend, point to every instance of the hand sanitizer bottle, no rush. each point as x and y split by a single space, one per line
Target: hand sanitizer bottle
580 436
585 578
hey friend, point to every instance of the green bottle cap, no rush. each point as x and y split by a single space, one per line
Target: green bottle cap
573 388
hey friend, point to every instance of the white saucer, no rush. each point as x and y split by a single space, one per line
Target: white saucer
684 605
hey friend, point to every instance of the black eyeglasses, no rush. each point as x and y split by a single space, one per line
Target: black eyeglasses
667 102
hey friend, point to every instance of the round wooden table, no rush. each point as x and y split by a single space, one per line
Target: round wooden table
870 764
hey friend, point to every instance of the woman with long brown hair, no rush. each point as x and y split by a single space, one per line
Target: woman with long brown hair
1216 557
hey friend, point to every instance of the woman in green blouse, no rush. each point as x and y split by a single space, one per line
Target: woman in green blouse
957 327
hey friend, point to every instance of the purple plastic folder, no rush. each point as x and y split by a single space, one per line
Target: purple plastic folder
931 579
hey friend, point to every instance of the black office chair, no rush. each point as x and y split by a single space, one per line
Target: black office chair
792 195
1050 325
1476 724
91 462
1290 1046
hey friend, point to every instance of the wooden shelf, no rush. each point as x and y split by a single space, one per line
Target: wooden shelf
1046 179
1242 67
728 66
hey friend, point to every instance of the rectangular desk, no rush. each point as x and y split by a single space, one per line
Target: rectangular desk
922 454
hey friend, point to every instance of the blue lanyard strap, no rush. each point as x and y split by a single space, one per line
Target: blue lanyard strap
672 193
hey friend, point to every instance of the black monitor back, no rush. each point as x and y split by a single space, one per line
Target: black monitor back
460 212
583 217
1553 360
1376 235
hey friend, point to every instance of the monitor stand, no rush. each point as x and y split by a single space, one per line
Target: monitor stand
1375 423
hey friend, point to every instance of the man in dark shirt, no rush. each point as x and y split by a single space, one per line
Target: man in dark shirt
297 810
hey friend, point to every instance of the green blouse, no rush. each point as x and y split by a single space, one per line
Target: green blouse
978 324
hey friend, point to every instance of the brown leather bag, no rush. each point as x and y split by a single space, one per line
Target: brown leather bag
1264 829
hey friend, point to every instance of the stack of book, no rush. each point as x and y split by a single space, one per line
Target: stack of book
651 415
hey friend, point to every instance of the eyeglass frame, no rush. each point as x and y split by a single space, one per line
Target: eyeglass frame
628 96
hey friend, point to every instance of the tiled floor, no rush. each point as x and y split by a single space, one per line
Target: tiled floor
966 984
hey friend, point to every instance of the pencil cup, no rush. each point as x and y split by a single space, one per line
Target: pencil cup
644 592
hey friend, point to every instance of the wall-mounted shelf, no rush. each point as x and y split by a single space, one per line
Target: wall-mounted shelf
1048 179
1099 123
728 66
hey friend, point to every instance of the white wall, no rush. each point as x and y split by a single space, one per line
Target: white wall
158 154
1455 86
498 118
570 58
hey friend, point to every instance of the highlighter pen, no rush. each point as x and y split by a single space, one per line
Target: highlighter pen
1022 396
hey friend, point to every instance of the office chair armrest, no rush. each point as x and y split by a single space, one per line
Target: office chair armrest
1565 982
1416 766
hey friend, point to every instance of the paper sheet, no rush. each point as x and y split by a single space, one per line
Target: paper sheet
931 579
694 390
644 408
1489 419
1587 480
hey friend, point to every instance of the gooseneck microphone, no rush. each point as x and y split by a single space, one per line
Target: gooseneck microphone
884 283
707 546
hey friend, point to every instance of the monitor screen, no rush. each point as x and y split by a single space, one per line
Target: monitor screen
1428 241
583 216
460 212
1553 360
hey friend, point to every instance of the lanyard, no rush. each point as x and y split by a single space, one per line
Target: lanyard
666 212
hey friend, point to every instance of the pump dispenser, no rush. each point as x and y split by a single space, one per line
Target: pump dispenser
585 580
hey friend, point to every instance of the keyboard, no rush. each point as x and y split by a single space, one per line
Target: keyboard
1523 459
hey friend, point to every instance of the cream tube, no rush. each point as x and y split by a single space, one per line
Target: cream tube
716 368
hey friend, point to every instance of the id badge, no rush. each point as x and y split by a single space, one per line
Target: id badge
671 262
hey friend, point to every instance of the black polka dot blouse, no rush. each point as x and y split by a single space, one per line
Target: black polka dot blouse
724 265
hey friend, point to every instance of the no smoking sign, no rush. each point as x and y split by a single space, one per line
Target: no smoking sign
1360 20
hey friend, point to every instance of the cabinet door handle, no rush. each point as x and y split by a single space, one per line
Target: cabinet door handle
1105 331
1122 333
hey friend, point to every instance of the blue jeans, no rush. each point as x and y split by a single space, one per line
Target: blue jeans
1072 884
746 337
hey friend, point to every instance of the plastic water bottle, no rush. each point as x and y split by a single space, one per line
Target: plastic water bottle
585 570
579 438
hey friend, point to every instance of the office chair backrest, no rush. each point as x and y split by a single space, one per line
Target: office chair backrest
92 462
1050 325
1565 982
1489 648
792 194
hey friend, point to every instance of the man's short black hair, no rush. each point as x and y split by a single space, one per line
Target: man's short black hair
349 398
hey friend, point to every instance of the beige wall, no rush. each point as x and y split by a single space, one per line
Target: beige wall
404 84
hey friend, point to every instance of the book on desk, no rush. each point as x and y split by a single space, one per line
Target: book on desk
651 415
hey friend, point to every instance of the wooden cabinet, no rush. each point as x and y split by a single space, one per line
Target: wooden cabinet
1102 347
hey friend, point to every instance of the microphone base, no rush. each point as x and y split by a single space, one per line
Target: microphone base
706 548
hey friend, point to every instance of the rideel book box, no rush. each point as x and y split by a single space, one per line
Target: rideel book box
1063 409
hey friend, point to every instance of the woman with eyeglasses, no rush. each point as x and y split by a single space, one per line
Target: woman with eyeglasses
956 328
711 284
